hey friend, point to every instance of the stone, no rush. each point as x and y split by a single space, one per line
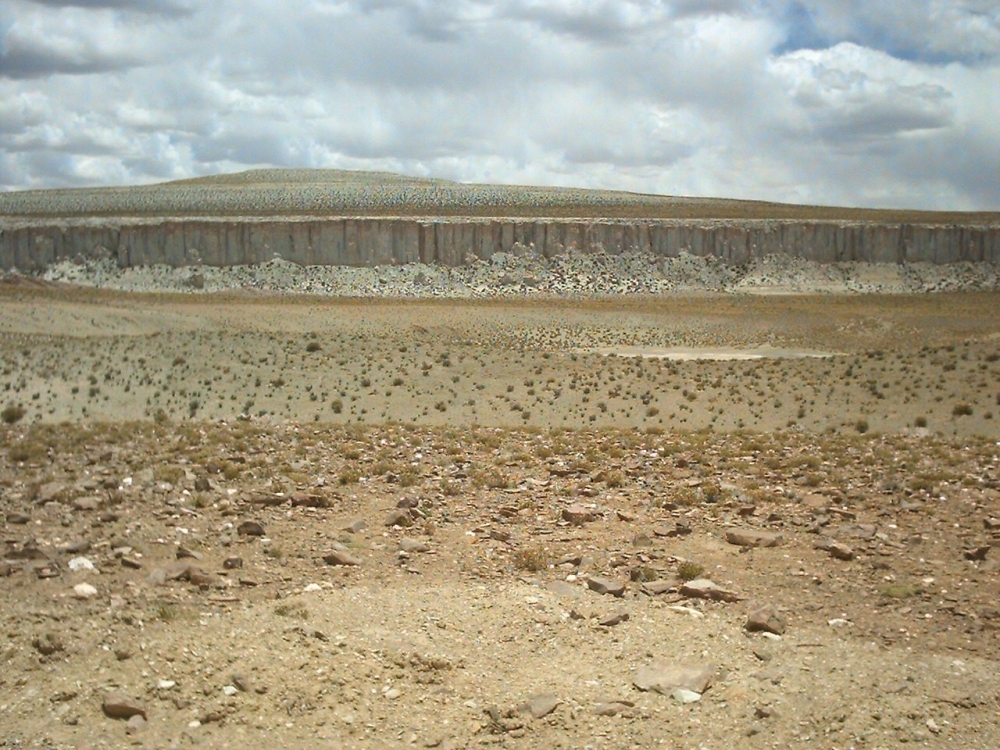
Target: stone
118 705
413 545
232 563
80 563
399 517
655 588
86 503
241 682
702 588
665 677
356 527
135 724
84 591
250 528
48 644
340 557
605 586
610 621
18 519
578 514
977 554
612 708
539 706
836 549
765 618
183 552
753 538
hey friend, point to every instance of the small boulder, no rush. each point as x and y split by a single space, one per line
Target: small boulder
340 557
118 705
250 528
665 677
765 618
539 706
702 588
605 586
836 549
753 538
578 514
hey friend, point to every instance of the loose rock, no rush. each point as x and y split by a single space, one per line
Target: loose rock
118 705
753 538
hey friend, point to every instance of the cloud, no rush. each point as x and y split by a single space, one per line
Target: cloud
919 30
162 7
812 101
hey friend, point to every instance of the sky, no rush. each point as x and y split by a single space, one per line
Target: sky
873 103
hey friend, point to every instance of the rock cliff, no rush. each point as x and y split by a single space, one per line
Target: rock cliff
32 245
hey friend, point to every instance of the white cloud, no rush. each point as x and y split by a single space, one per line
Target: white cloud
683 97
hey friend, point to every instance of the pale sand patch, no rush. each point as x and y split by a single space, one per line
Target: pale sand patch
717 353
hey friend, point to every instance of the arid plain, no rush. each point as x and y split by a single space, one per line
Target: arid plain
392 523
683 519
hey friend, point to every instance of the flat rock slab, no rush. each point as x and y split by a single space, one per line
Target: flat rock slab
702 588
339 557
753 538
605 586
665 677
539 706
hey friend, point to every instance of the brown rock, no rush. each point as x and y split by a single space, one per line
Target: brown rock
578 514
977 554
250 528
86 503
539 706
340 557
413 545
753 538
765 618
702 588
399 517
664 677
18 519
605 586
118 705
611 620
836 549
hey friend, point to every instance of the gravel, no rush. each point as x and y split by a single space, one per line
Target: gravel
530 275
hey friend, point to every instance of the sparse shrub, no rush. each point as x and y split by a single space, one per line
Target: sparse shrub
861 426
12 413
961 410
349 476
532 559
313 346
337 405
688 570
292 610
900 590
920 422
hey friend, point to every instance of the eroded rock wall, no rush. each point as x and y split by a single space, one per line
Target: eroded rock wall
361 242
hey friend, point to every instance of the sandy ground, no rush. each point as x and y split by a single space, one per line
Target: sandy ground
443 489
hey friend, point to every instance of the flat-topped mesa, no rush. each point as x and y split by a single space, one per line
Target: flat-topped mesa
331 217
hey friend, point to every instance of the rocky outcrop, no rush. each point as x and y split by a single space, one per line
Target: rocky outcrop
31 246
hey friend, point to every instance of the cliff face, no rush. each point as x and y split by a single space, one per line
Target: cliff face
361 242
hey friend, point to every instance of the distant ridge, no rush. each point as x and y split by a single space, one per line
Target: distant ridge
264 193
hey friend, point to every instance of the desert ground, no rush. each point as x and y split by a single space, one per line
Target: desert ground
688 520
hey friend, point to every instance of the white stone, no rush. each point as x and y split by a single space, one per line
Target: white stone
84 591
80 563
